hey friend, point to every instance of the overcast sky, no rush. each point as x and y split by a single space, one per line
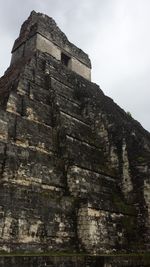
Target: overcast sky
115 34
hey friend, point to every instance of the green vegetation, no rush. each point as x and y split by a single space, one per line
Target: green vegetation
141 159
71 254
129 114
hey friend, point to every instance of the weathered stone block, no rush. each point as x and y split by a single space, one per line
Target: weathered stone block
34 135
14 103
40 113
90 157
63 90
85 184
7 126
79 129
30 222
39 94
24 166
97 232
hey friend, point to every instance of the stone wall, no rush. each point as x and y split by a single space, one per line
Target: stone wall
69 179
47 46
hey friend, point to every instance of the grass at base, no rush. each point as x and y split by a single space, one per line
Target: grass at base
70 254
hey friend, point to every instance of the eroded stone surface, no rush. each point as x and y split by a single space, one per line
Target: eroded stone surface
74 166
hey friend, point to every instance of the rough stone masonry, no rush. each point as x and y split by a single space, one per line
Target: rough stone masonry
74 166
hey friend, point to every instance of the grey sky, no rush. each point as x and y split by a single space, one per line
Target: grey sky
115 34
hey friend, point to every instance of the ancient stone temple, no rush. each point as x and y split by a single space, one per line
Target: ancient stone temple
75 167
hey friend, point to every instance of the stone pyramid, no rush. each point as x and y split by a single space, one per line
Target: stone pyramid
75 167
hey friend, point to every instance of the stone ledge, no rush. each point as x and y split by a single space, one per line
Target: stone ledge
57 259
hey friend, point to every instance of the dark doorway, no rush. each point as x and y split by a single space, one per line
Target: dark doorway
65 59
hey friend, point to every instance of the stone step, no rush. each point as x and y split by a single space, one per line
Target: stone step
30 166
77 127
63 90
33 134
83 154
